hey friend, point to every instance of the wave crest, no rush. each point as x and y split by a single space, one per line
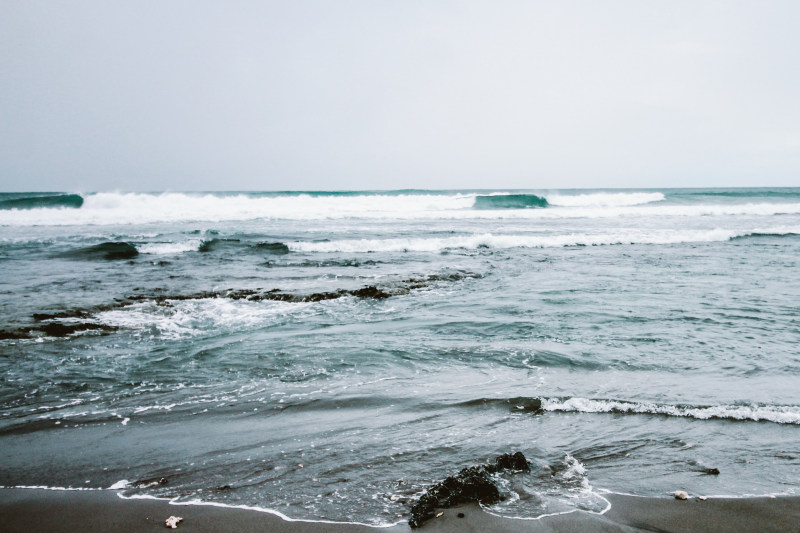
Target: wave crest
41 201
509 201
780 414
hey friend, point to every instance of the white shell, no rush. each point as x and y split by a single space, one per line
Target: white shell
173 521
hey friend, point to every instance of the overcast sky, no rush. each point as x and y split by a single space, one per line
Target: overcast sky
370 94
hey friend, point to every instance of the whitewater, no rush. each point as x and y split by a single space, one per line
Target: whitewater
328 355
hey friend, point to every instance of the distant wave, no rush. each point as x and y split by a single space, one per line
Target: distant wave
492 241
137 208
747 193
602 199
768 234
509 201
41 201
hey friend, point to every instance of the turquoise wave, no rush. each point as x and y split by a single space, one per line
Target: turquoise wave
509 201
39 201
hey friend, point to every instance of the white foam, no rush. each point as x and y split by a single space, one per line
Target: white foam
489 240
121 484
183 318
169 248
175 501
605 199
781 414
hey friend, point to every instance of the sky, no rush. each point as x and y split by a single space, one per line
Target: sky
378 94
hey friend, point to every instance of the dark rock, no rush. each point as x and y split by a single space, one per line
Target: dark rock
63 314
163 481
508 461
471 484
370 292
57 329
711 471
460 515
320 296
526 405
224 487
13 334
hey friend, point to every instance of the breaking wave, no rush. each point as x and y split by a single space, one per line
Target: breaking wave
139 208
780 414
16 201
509 201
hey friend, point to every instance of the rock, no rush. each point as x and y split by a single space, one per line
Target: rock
371 292
173 521
471 484
711 471
460 515
702 498
681 495
6 334
58 329
507 461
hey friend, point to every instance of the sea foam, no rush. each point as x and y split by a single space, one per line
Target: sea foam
139 208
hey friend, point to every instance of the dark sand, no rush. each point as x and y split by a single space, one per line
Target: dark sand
32 510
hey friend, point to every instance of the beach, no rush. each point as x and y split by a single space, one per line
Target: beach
330 356
24 510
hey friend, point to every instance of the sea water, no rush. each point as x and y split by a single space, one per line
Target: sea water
329 355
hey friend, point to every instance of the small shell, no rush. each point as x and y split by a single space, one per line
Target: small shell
173 521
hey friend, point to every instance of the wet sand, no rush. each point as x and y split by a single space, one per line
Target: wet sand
73 511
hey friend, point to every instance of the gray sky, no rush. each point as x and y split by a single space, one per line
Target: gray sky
196 95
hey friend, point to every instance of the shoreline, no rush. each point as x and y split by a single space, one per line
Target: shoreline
39 509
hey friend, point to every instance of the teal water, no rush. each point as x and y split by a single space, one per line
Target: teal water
329 355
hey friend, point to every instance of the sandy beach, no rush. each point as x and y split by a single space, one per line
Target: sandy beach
25 510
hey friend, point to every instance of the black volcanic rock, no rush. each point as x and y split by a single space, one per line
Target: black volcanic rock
471 484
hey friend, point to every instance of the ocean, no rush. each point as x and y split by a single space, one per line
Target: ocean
329 355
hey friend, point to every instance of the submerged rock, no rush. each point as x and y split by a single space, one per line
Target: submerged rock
471 484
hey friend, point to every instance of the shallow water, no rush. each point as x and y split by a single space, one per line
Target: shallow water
623 340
